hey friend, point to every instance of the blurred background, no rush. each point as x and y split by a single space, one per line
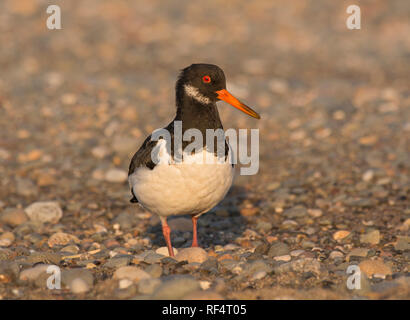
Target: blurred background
76 103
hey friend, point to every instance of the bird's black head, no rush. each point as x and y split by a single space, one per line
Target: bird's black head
206 84
201 82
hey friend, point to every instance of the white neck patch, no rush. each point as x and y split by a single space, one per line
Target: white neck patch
194 93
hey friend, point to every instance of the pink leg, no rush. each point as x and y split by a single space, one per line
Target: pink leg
194 236
166 230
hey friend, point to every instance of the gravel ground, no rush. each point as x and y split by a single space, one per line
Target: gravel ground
333 188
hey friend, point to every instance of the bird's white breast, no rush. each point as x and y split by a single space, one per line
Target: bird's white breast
194 186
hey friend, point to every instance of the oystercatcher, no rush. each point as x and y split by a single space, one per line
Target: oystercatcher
191 186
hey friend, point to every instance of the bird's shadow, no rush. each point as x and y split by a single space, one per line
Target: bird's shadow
220 226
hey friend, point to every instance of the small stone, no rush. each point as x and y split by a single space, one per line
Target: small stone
285 258
44 257
357 252
368 175
341 234
32 274
148 286
62 239
303 265
205 285
180 224
73 249
164 251
154 270
249 212
13 217
118 261
153 257
255 266
371 267
296 253
48 211
79 286
124 283
295 212
131 273
335 255
402 244
264 226
78 280
6 239
99 152
176 288
372 237
116 176
124 220
259 275
315 213
278 249
194 254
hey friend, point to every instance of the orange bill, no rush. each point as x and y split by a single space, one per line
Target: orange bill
227 97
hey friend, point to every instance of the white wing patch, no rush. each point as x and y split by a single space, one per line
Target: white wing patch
194 93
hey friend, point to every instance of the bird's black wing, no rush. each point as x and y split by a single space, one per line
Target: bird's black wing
142 158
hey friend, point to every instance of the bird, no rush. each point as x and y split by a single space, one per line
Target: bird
190 186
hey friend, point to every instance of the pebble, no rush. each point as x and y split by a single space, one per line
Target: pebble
251 268
72 249
176 288
368 175
402 243
118 261
6 239
32 274
357 252
340 235
372 237
315 213
44 257
153 257
295 212
180 224
164 251
259 275
148 286
285 258
124 283
296 253
154 270
13 217
100 152
192 255
335 255
116 176
78 286
372 267
61 239
45 211
249 212
131 273
278 249
78 280
300 266
125 220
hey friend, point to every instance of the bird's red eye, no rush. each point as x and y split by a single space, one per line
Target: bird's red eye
206 79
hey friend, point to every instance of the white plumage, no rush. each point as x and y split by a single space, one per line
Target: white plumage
194 186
